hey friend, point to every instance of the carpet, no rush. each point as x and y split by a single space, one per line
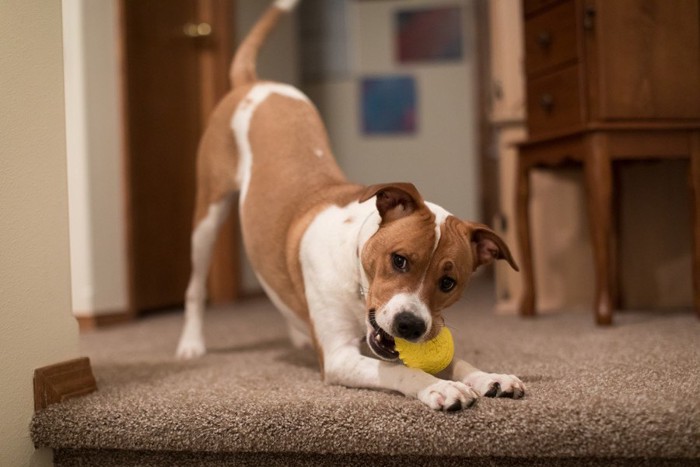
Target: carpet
622 395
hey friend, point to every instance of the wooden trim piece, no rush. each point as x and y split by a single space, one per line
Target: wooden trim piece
124 108
62 381
528 298
695 219
216 53
488 190
90 323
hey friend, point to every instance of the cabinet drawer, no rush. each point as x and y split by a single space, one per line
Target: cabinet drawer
554 102
551 38
531 6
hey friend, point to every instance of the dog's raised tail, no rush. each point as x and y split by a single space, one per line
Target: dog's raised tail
243 67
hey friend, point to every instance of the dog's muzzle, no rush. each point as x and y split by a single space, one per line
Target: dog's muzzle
381 342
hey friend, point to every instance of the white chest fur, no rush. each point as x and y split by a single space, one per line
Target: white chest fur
331 266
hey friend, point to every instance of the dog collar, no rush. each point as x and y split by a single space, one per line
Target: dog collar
362 292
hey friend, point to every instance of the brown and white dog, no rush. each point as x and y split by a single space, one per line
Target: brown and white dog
344 263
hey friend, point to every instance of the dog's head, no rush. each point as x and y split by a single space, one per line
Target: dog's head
417 264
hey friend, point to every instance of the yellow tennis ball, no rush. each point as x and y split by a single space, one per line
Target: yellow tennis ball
431 356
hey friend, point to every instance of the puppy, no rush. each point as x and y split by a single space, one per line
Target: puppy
344 263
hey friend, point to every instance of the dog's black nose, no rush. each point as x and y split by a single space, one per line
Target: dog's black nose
408 326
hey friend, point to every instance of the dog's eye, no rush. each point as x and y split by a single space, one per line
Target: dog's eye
400 263
447 284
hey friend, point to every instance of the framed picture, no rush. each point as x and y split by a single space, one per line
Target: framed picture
389 105
429 34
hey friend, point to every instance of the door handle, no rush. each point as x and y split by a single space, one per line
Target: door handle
195 30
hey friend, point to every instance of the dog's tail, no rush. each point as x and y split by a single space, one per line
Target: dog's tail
243 67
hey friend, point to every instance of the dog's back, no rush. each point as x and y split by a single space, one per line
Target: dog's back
218 170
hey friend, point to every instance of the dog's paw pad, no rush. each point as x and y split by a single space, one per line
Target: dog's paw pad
494 390
496 385
449 396
454 407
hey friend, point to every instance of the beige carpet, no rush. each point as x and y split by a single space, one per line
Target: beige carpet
627 395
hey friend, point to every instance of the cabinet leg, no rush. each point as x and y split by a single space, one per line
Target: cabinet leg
695 207
527 300
598 175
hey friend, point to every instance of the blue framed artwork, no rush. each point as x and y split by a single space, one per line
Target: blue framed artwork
432 34
389 105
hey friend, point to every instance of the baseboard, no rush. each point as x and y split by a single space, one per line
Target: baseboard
252 294
61 381
92 322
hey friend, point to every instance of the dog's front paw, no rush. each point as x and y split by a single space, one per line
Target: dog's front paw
495 385
448 396
188 349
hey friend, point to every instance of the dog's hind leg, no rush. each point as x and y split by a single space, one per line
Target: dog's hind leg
217 162
211 218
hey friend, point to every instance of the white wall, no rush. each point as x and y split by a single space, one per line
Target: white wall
95 169
36 326
441 158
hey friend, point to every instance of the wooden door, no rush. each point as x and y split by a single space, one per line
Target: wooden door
175 62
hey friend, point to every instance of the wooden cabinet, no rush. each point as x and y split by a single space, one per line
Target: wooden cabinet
597 62
609 81
644 59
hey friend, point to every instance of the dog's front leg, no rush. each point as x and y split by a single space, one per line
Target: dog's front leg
346 366
488 384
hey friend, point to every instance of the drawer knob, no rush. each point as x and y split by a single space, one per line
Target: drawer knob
544 39
547 102
589 15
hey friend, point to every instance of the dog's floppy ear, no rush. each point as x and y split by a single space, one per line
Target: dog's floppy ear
394 200
488 246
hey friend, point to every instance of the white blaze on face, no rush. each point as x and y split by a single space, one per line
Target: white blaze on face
440 216
403 302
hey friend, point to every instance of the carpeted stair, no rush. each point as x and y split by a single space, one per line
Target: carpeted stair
625 395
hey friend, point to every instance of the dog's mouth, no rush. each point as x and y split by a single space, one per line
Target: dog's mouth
379 341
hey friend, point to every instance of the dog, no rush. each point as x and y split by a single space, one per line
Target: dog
345 264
